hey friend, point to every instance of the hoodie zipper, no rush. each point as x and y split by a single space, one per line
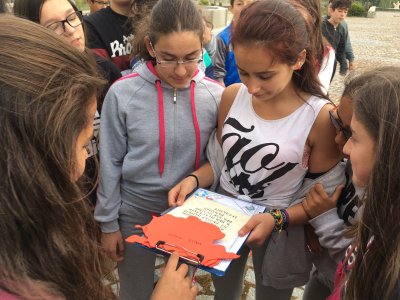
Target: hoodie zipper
174 129
174 95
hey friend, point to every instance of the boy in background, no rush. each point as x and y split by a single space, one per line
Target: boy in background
336 34
348 48
225 70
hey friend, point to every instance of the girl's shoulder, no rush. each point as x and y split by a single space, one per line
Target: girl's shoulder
210 89
325 153
212 83
127 83
127 77
128 88
322 108
228 98
318 100
229 94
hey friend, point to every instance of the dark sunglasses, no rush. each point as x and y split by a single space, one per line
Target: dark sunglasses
338 124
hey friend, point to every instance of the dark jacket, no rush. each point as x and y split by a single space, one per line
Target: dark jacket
337 38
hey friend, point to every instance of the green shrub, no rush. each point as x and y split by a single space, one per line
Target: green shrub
386 3
357 10
204 2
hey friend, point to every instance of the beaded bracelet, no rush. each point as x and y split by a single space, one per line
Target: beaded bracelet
281 219
195 177
286 222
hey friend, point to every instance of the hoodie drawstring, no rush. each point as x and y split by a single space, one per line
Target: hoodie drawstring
161 126
196 125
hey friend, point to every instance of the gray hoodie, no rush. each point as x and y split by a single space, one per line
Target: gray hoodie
151 137
330 227
287 263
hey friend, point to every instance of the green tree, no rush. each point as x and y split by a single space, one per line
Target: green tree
82 5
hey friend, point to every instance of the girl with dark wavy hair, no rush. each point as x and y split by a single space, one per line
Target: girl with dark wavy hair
274 129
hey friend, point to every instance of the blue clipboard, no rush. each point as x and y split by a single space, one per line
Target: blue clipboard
247 207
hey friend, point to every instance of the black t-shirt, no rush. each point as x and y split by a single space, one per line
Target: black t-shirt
109 35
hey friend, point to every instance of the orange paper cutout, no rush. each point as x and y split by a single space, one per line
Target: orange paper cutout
190 233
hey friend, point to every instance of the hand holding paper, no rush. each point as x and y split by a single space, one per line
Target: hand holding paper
260 226
178 193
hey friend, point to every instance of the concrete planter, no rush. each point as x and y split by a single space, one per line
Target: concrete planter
217 15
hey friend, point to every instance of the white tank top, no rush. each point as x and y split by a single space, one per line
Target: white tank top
265 160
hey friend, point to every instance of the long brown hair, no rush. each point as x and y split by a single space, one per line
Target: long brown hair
46 226
280 28
317 39
376 270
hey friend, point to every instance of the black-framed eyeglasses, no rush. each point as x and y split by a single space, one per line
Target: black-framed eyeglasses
338 124
174 63
104 3
74 20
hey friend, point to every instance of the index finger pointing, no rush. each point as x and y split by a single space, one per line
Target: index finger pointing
172 262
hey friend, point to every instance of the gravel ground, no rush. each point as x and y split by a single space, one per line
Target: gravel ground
375 41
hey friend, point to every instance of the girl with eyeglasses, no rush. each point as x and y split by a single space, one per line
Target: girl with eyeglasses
156 123
332 215
370 266
64 19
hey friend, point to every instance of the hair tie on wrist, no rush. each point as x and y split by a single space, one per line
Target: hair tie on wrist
195 177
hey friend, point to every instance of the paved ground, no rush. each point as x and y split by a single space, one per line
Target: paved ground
376 42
